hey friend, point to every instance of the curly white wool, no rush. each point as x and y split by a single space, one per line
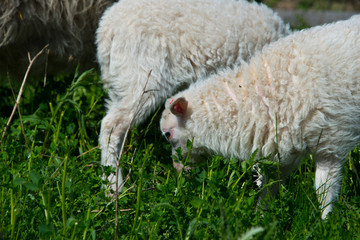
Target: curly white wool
299 95
68 26
179 41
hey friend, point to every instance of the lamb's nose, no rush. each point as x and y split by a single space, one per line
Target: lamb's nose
167 135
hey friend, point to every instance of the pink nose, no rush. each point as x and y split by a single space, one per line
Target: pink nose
167 135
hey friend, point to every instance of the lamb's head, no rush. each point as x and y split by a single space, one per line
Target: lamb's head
174 125
173 122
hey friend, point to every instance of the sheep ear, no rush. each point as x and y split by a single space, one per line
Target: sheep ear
179 107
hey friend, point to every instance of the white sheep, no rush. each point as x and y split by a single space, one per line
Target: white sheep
68 26
297 96
179 41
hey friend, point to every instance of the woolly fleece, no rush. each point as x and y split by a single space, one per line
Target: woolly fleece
179 41
299 95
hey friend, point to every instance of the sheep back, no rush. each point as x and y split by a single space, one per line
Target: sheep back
180 41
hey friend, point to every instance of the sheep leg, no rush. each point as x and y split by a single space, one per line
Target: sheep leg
270 190
112 132
121 115
327 184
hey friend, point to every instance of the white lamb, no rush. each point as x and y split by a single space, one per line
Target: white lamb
179 41
299 95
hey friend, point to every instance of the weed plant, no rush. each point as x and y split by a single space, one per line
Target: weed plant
51 185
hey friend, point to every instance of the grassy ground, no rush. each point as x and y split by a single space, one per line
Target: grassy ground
51 186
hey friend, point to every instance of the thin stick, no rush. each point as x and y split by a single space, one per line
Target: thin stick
130 169
46 67
21 121
120 155
31 61
128 130
87 151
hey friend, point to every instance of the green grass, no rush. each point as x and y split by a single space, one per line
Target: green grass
51 186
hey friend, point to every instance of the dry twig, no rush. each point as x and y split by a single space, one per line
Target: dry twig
120 154
31 61
19 112
90 150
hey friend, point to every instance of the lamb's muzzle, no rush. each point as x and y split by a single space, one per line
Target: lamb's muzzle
168 134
